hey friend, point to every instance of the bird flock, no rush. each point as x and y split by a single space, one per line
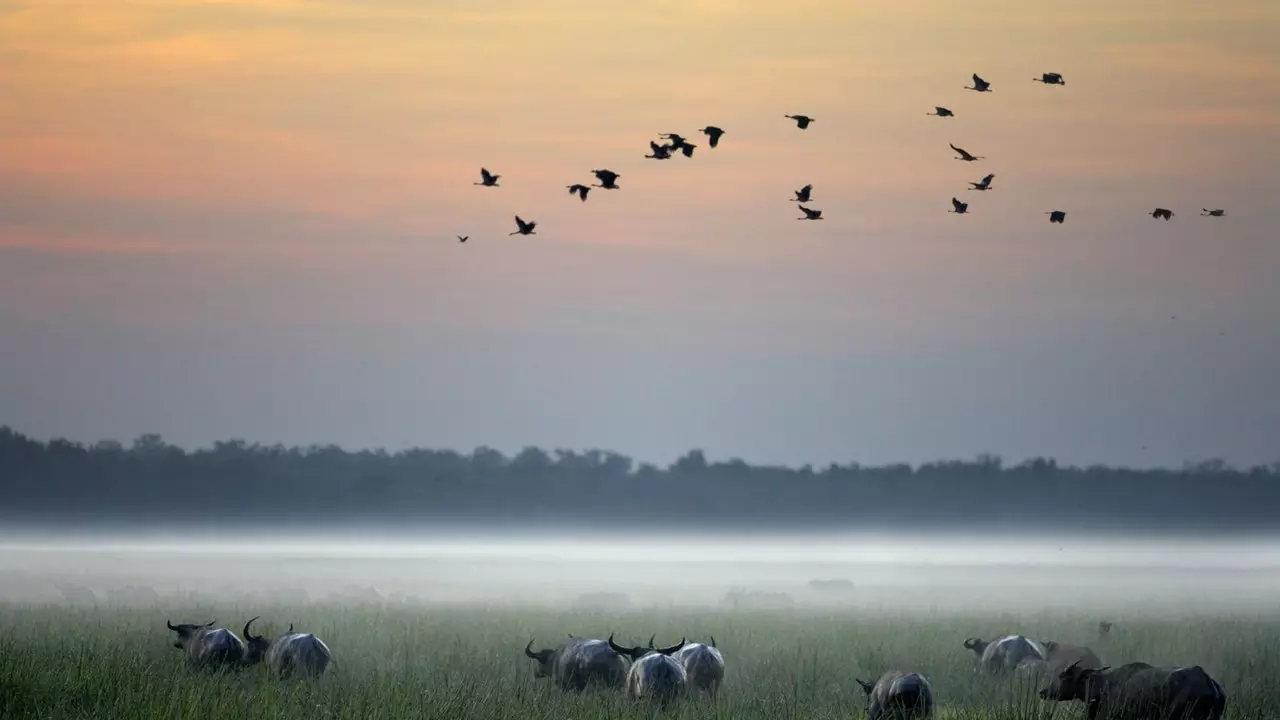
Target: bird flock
677 144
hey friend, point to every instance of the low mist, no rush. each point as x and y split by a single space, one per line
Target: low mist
642 570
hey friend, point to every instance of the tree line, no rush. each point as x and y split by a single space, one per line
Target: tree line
237 481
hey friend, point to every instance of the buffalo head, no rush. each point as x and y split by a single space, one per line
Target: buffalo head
977 645
1070 684
186 631
637 652
543 657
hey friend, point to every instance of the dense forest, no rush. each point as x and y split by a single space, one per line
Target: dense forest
236 481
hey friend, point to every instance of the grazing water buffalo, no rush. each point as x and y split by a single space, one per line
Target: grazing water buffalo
1138 691
899 696
208 647
703 665
653 674
1063 655
289 653
1004 655
579 663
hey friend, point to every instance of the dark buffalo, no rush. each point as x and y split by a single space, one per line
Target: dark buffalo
288 654
207 647
579 663
1006 654
654 674
899 696
1138 691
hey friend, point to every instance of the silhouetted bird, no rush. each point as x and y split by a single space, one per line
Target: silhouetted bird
660 152
1057 216
713 134
525 228
608 179
582 190
687 149
463 238
1205 212
802 121
1050 79
802 195
984 183
960 207
941 112
1162 213
489 179
810 214
676 140
979 84
964 154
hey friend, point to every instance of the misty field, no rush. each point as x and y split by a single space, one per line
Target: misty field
424 662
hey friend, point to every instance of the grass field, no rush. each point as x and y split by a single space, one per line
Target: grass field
60 662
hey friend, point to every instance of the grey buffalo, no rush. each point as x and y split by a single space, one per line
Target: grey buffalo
580 663
1138 691
288 654
703 666
899 696
207 647
1004 655
653 674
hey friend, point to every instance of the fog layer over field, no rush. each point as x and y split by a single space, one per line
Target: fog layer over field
1140 575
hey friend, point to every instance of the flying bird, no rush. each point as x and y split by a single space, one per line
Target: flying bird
941 112
802 195
960 207
979 84
525 228
463 238
660 152
984 183
1056 216
608 179
810 214
676 140
687 149
1050 79
579 188
1162 213
488 178
713 134
964 154
802 121
1205 212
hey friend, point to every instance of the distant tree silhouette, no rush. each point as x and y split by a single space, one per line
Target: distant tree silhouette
235 480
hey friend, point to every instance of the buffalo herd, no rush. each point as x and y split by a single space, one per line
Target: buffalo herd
1136 691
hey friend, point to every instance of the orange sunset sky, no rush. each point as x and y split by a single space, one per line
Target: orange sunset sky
237 219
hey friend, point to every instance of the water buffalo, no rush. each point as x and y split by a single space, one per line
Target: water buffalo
288 653
653 674
1005 654
207 647
1138 691
579 663
703 665
899 696
1062 655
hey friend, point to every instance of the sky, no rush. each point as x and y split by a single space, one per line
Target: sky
237 219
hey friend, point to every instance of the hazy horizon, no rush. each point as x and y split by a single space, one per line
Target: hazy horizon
237 219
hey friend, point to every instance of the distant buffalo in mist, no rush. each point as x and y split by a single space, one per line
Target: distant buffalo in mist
207 647
580 663
288 654
899 696
1138 691
654 674
835 586
1104 629
1005 654
740 599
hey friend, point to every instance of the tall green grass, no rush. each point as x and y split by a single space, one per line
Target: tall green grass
424 662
